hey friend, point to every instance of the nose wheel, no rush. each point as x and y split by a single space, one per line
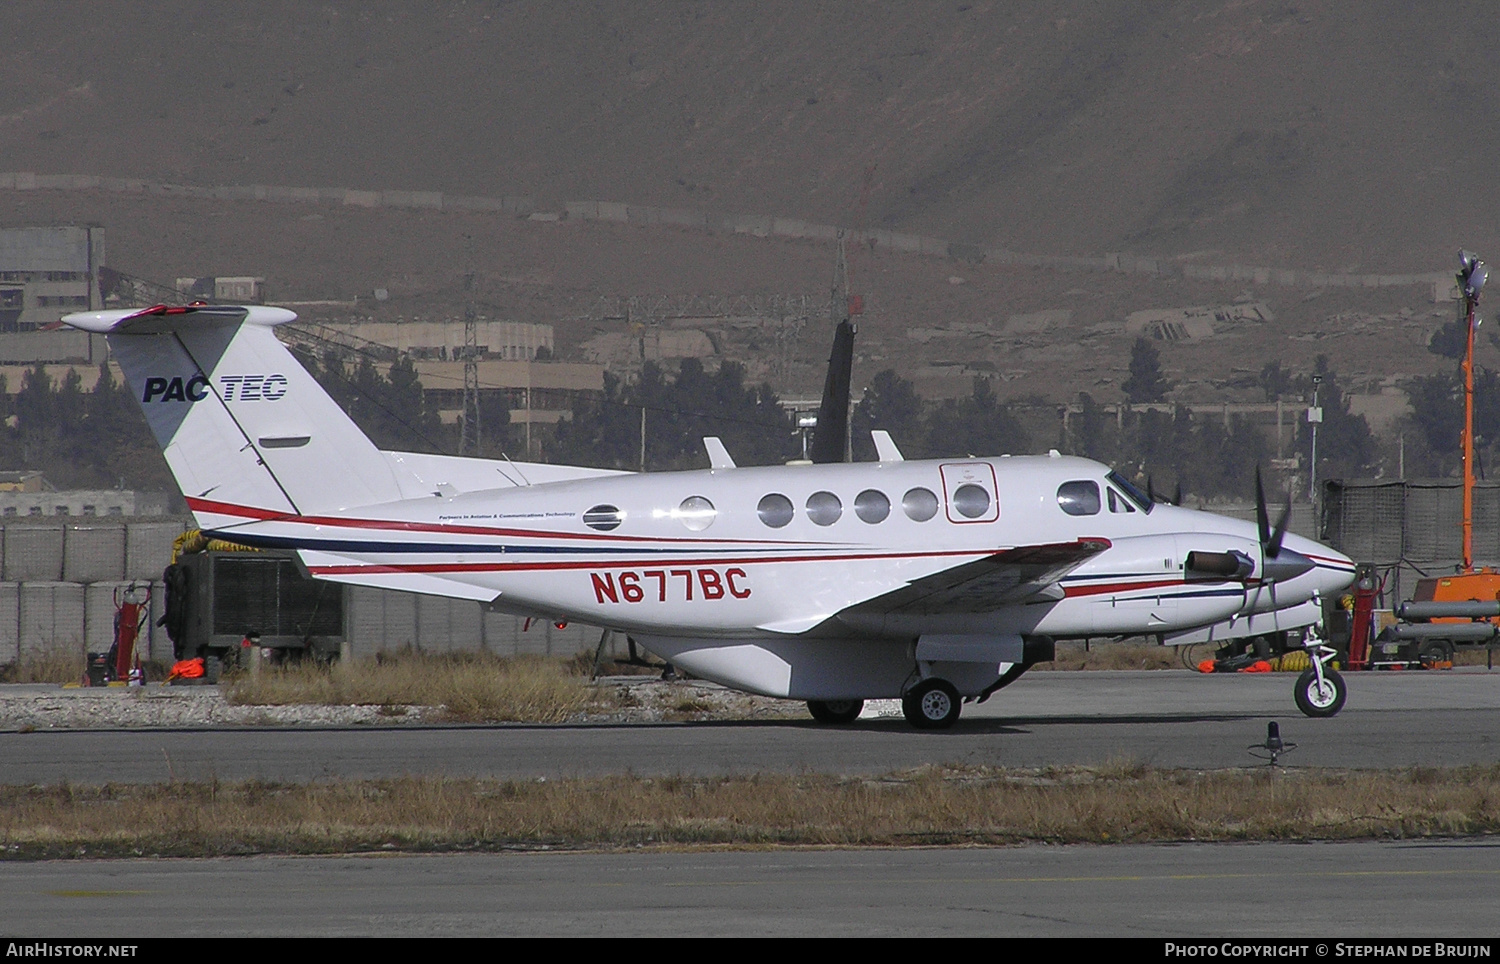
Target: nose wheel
1320 689
1320 696
932 704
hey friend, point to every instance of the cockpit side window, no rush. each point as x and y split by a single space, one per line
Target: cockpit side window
1079 498
1118 503
1132 493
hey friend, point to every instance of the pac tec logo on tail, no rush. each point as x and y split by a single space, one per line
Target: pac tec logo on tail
234 388
173 390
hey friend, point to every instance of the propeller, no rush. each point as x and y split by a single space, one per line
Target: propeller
1278 563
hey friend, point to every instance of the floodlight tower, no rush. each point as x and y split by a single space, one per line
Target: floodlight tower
1471 277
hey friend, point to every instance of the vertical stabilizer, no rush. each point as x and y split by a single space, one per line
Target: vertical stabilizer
831 435
244 427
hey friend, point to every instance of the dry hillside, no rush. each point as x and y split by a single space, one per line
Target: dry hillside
1320 136
1309 135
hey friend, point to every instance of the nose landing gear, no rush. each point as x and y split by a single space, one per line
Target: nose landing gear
1320 691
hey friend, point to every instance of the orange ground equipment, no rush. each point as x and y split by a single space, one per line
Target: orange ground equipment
1464 608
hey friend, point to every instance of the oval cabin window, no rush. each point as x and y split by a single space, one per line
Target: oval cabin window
971 500
603 518
775 510
696 512
872 506
824 508
919 504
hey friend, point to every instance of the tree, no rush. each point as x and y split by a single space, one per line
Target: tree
889 403
978 425
680 411
1451 340
1092 433
1146 382
1275 381
1346 447
1437 403
390 408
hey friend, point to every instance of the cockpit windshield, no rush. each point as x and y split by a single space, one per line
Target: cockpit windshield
1128 488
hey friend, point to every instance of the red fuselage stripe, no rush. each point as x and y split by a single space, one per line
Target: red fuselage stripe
393 525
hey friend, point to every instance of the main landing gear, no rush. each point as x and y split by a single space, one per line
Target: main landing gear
835 711
932 704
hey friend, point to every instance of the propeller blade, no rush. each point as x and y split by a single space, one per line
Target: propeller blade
1150 491
1177 494
1261 518
1273 548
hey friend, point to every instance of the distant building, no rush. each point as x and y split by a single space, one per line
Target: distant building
22 481
46 273
444 340
238 291
538 392
83 502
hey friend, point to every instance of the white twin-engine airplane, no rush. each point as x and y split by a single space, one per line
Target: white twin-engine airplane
934 581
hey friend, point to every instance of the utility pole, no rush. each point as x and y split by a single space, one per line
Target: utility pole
468 443
1314 416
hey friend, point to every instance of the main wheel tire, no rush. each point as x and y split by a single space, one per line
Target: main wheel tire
932 704
835 711
1322 701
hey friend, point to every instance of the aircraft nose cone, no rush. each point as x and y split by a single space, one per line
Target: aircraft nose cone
1337 574
1286 564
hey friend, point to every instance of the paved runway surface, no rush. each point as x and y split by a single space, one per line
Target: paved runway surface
1359 890
1175 719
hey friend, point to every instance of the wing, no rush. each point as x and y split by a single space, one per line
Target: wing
1002 579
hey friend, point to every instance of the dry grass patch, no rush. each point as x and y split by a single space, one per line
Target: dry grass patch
1474 657
1128 655
471 688
49 664
1120 802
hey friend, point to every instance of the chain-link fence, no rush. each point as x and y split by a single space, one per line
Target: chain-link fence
1410 528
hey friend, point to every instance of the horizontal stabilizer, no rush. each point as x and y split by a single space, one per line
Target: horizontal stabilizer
885 448
718 455
161 318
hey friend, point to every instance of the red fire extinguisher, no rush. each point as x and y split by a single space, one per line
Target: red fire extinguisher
132 609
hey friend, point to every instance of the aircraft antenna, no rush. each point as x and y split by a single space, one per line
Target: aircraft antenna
468 443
